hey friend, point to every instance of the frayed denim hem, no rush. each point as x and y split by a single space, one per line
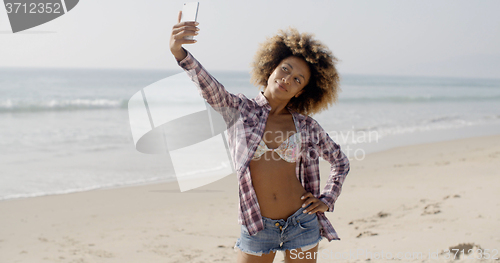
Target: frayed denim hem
237 246
306 247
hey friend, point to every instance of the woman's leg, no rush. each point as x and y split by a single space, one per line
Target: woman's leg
247 258
299 256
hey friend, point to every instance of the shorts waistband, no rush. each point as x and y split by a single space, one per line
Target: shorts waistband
293 219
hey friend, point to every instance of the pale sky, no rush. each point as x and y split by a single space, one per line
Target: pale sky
390 37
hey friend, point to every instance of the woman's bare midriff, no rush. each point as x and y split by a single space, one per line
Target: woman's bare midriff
275 182
278 189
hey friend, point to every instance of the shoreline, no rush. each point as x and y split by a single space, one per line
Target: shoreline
163 174
417 198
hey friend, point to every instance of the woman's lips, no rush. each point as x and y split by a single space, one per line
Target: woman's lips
281 87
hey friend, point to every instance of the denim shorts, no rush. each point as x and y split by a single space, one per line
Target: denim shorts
299 230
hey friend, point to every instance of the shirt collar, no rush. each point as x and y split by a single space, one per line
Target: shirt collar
262 102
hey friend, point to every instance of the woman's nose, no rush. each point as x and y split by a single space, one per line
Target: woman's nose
285 79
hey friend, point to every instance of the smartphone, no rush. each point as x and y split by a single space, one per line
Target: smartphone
190 13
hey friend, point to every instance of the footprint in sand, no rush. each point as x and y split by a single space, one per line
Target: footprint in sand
382 214
449 196
431 209
366 234
434 208
373 220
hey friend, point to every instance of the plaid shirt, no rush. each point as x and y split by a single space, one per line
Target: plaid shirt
245 134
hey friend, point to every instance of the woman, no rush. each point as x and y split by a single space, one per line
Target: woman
275 145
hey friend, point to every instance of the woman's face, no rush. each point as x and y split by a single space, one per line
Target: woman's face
288 78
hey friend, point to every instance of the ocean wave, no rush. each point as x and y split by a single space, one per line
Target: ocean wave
417 99
375 132
413 81
89 188
10 105
374 135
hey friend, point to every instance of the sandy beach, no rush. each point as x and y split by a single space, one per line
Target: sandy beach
411 202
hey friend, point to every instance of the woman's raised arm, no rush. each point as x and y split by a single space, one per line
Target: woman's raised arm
224 102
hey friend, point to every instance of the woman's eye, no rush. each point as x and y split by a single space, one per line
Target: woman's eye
284 68
298 80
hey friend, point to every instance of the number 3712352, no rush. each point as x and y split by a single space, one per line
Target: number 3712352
33 8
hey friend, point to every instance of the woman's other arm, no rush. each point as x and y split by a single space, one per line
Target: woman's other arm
331 152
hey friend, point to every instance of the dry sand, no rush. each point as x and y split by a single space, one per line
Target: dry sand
403 201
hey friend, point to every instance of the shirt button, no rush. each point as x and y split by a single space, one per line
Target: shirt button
277 224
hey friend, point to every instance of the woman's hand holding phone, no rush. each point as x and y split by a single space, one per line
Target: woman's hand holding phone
179 31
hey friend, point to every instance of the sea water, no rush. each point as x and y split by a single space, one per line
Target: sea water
68 130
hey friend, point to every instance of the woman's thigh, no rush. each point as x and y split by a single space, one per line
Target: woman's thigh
247 258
